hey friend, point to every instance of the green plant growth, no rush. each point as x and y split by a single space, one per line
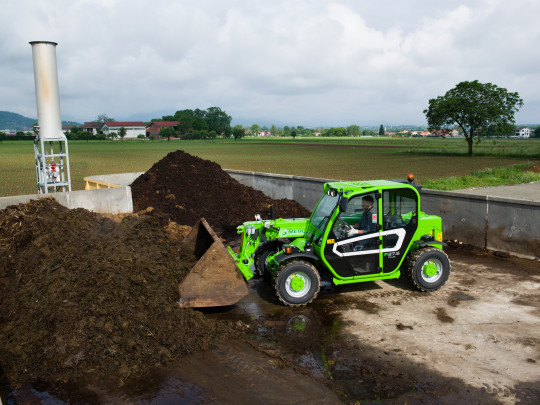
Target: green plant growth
498 176
122 133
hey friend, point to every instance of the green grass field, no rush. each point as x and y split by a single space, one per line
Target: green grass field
431 160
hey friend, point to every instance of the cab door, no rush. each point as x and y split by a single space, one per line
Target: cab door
399 223
356 255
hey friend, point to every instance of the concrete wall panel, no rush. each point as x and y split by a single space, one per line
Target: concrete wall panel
463 217
513 227
116 200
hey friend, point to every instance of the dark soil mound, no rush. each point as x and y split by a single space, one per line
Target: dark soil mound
82 295
184 188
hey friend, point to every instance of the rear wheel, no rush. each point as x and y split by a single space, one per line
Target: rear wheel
428 269
297 283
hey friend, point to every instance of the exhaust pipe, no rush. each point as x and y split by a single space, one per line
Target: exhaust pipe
47 94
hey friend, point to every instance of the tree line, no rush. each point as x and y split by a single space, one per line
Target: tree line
198 124
476 109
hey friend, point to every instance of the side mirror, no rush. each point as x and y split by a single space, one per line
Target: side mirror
343 202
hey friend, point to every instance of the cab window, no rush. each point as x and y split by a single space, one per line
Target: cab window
354 214
399 208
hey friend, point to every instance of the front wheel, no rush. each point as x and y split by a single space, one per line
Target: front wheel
428 269
261 265
297 283
262 256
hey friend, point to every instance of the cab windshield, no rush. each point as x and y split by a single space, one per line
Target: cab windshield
319 219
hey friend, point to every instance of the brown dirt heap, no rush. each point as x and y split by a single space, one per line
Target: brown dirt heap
184 188
83 295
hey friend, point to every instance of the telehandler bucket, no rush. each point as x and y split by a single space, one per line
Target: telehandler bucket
214 280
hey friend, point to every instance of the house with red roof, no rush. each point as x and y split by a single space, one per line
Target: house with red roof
156 126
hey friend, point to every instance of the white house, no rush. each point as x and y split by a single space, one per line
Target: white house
92 127
133 128
523 132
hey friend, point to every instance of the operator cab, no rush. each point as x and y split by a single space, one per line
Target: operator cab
387 226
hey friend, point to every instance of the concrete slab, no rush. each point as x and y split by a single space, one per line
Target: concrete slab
527 192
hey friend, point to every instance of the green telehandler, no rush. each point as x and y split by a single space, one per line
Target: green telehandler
359 231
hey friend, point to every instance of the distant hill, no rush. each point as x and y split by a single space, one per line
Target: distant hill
17 122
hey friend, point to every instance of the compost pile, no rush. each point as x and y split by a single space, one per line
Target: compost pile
183 188
82 295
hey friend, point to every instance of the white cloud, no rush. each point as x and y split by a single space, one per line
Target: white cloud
306 62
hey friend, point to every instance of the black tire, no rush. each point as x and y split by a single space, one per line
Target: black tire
260 263
260 259
428 269
297 283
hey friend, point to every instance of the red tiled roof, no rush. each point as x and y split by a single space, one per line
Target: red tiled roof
112 124
164 123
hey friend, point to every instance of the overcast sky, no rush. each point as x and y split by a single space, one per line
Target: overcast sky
297 62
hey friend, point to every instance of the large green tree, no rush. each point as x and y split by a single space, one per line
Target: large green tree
189 120
353 130
238 132
286 131
475 107
255 129
339 131
218 121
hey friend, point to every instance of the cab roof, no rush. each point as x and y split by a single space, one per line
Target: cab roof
354 186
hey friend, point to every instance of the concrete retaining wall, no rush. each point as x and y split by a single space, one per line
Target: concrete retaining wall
502 224
494 223
106 200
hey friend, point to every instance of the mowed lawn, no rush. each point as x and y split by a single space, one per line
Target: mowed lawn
344 159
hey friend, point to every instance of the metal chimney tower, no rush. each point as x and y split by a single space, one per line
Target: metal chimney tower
50 145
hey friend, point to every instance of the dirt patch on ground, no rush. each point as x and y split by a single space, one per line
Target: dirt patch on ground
84 296
183 188
534 168
458 245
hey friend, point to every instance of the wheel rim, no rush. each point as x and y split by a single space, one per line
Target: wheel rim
297 284
432 270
